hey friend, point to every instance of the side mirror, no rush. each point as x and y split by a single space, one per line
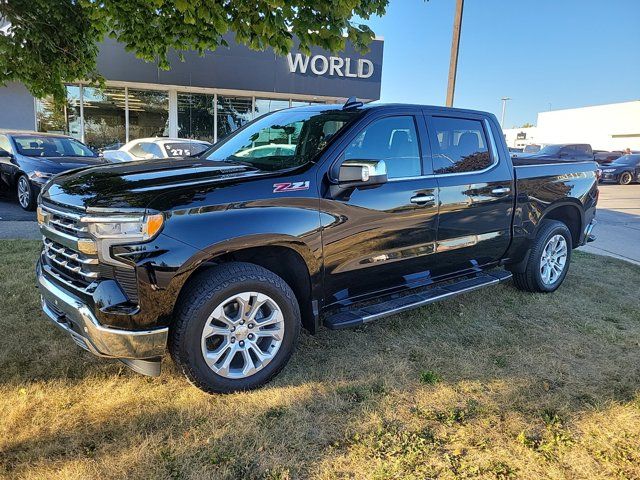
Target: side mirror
362 172
5 154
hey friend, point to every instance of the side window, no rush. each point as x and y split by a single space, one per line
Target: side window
392 139
143 149
460 146
152 149
5 144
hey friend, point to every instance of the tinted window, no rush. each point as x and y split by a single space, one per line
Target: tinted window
184 149
5 144
393 140
460 146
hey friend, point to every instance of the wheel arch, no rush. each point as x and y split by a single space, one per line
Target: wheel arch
569 213
289 258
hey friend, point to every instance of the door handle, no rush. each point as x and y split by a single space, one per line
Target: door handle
501 190
423 199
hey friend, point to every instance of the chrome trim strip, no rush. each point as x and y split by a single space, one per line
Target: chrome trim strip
100 340
60 237
60 213
75 256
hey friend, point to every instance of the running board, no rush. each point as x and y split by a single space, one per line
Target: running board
369 313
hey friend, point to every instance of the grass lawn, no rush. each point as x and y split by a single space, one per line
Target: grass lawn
493 384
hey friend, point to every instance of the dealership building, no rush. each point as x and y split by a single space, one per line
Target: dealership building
205 97
615 126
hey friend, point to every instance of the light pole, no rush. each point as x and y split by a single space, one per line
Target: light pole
504 109
455 47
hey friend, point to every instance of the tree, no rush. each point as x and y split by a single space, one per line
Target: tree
527 125
49 42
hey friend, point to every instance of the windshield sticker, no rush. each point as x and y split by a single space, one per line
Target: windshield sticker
290 187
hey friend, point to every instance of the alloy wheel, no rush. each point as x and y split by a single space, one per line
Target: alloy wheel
242 335
554 259
24 192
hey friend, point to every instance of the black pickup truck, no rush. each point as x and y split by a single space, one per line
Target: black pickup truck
355 213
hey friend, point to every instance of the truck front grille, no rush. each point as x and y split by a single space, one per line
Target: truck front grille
68 265
73 265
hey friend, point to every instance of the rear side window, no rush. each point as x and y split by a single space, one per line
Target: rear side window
392 139
5 144
460 145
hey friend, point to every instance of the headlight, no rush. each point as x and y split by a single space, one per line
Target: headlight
119 229
39 176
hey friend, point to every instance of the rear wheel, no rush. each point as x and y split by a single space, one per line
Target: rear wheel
24 193
237 325
548 260
625 178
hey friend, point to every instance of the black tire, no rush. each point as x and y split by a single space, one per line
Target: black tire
201 296
29 202
531 279
625 178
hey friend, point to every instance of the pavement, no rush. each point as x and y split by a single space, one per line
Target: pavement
617 231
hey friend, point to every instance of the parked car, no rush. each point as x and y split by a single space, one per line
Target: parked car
514 151
29 159
567 152
156 147
223 258
604 157
624 170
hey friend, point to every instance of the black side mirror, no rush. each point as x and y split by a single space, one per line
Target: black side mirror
362 172
5 154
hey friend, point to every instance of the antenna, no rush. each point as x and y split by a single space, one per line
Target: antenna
352 103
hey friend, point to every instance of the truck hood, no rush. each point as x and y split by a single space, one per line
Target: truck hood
136 184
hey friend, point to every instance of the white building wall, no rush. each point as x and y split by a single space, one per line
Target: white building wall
615 126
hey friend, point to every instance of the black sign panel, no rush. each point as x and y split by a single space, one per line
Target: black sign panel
344 74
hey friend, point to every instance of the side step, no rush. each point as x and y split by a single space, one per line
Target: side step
358 316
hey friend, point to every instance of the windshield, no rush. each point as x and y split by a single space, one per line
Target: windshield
283 139
531 148
184 149
36 146
626 160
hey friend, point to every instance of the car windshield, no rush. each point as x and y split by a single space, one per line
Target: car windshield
283 139
41 146
184 149
626 160
531 149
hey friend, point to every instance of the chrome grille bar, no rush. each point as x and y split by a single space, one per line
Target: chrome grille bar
69 261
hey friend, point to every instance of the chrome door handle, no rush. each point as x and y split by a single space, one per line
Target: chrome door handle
422 199
500 191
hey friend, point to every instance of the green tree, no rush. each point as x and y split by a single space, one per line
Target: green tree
48 42
527 125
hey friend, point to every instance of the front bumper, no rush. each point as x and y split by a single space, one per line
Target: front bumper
74 317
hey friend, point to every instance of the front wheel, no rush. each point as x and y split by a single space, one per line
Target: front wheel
24 193
549 259
236 327
625 178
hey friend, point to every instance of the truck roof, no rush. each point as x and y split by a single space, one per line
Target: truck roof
383 106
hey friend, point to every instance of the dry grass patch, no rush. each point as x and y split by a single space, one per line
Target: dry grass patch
493 384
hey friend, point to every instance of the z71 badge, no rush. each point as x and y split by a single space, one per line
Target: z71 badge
290 186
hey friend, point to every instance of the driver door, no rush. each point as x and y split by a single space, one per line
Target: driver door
379 238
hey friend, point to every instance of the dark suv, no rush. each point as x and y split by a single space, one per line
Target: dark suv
29 159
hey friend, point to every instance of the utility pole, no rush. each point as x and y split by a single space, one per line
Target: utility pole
455 47
504 109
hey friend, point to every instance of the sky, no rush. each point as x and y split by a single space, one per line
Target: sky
544 54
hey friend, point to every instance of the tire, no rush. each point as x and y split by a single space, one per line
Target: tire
533 279
210 301
625 178
24 193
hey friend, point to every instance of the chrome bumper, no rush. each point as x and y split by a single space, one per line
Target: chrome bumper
75 318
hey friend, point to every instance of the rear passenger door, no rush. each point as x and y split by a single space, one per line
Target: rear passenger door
476 192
